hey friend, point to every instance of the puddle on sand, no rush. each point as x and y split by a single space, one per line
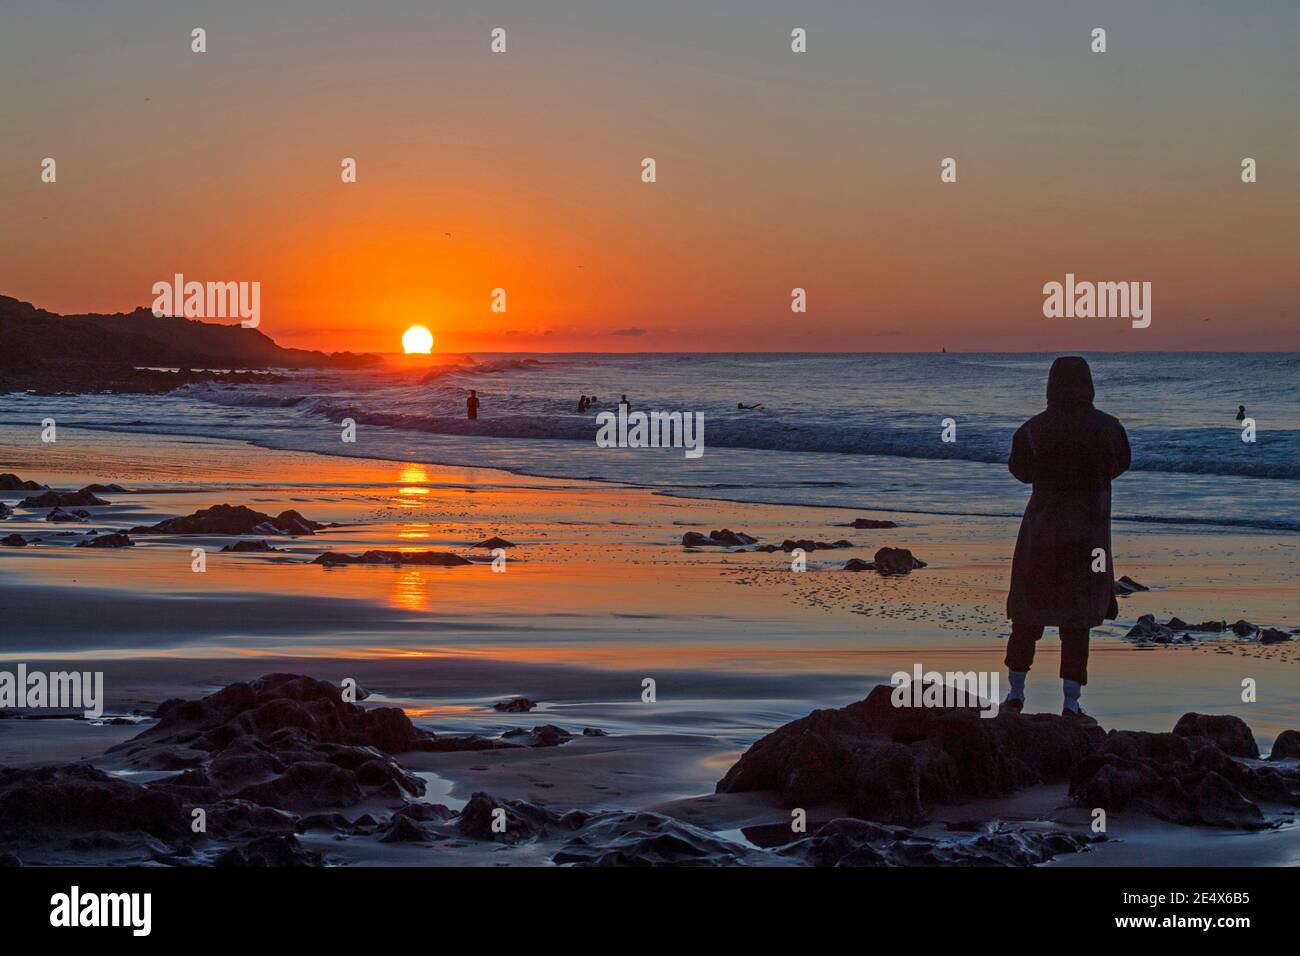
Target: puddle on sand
438 790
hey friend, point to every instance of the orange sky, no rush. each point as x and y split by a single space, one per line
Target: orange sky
776 170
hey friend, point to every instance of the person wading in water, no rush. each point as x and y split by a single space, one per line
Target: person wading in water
1063 575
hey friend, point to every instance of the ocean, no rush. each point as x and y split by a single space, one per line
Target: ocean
854 431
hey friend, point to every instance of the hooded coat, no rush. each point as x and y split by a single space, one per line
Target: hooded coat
1070 453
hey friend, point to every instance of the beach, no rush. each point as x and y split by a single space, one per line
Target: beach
597 594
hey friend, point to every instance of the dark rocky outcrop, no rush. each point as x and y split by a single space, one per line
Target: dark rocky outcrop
852 842
867 524
442 559
891 764
648 839
495 543
1210 627
1286 746
894 764
1148 629
415 823
717 539
62 813
1176 630
515 705
887 561
13 541
58 514
115 540
62 499
5 511
546 735
1126 586
284 742
256 547
1230 734
1185 780
95 349
275 850
11 482
402 829
233 520
805 544
519 820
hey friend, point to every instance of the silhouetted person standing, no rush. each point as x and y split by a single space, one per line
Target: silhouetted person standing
1241 413
471 405
1070 453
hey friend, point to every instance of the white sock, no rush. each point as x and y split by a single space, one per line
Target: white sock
1017 681
1072 689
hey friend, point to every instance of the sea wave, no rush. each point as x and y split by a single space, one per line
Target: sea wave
1201 451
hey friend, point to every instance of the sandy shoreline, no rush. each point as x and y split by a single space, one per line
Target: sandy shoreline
597 596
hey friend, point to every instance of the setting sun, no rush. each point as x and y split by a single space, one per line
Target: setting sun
418 340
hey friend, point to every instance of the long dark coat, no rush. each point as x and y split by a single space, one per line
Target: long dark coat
1069 453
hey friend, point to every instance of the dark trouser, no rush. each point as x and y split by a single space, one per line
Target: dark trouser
1074 650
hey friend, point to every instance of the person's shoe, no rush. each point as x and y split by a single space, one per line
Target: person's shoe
1080 717
1013 705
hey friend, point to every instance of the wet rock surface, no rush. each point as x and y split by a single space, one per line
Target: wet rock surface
871 524
1125 586
887 561
254 547
891 764
895 764
852 842
717 539
62 499
272 850
1286 746
234 520
485 817
11 482
262 760
805 544
1148 630
117 539
57 803
515 705
441 559
547 735
1230 734
649 839
274 764
282 741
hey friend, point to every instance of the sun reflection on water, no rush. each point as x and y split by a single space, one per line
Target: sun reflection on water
410 590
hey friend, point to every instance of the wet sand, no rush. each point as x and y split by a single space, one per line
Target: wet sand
597 596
